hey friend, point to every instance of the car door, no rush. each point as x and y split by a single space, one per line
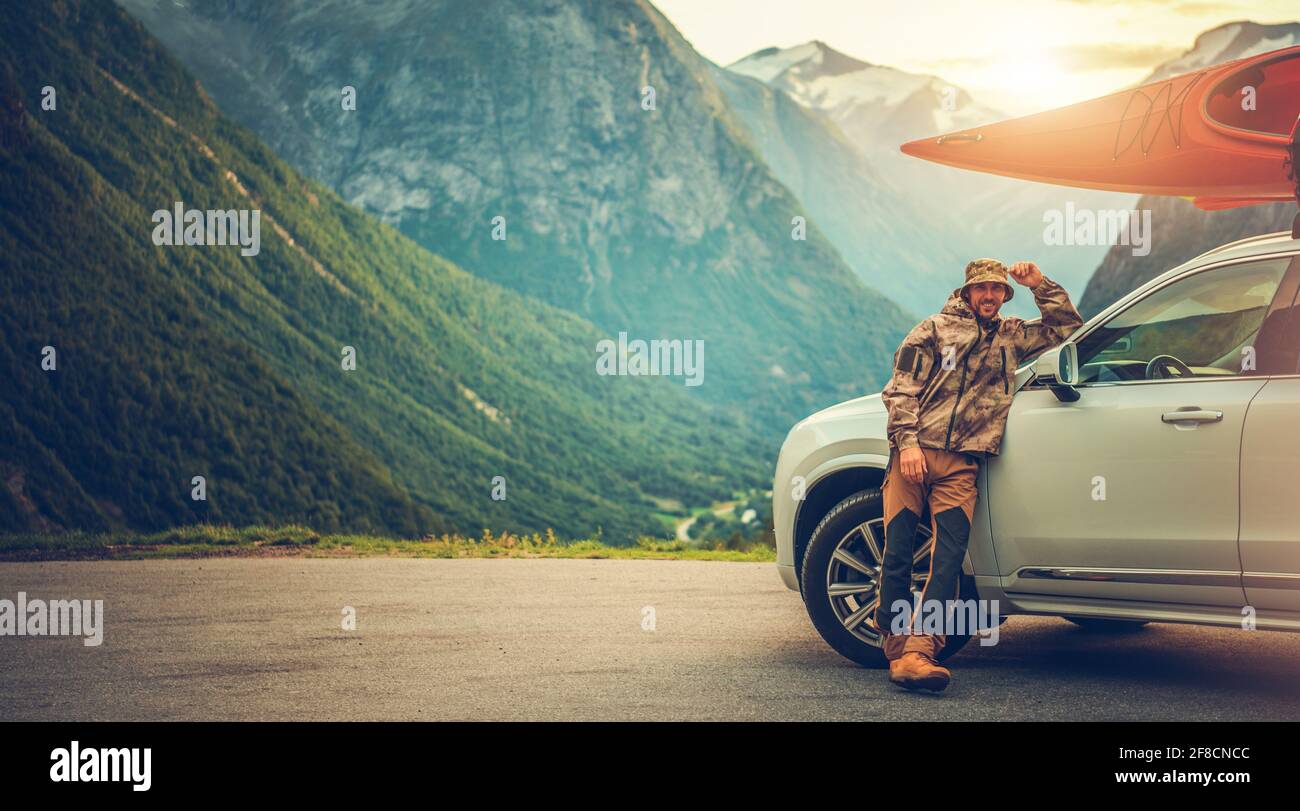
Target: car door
1131 491
1270 484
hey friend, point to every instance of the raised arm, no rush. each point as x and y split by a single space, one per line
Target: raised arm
1060 318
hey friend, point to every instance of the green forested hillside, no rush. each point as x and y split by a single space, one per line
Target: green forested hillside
662 219
183 361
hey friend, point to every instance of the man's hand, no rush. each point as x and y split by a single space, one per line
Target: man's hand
911 462
1026 273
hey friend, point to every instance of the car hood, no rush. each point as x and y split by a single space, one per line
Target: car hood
857 407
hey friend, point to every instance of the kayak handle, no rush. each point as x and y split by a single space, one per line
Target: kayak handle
959 137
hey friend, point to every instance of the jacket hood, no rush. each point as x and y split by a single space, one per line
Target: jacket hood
956 305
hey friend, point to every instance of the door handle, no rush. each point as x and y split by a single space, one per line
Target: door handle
1191 414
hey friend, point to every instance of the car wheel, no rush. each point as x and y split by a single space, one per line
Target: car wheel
1098 625
841 578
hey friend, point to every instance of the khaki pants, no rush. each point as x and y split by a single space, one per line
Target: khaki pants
950 492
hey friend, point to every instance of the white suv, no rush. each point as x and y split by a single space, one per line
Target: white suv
1150 470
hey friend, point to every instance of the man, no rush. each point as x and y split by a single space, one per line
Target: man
948 399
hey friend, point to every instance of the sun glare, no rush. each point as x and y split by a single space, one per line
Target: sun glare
1034 80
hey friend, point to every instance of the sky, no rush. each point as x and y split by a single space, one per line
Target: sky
1019 56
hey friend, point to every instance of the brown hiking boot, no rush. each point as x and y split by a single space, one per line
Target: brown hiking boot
918 671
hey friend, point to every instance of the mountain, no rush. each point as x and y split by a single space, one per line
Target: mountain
1181 231
1227 42
972 214
882 233
196 360
877 106
652 216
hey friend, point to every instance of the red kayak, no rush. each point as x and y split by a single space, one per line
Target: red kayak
1186 136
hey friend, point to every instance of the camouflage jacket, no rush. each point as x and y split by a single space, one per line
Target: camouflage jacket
952 382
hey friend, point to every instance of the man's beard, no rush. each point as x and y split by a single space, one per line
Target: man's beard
977 311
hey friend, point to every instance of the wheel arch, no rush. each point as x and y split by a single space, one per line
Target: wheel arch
824 494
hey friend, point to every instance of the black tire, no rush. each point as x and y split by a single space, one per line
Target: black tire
846 517
1098 625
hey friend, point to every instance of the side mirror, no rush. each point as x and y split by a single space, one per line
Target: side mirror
1061 366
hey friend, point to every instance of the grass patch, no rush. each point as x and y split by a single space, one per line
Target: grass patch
208 540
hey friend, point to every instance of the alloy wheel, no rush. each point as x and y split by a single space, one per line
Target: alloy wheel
853 575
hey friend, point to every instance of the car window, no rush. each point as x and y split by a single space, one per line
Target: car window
1205 325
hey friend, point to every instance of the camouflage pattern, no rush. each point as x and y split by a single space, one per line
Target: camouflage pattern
952 382
949 494
988 270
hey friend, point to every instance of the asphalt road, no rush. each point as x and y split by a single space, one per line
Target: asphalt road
261 639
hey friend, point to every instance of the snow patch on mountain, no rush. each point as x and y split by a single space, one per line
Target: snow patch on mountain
1228 42
875 105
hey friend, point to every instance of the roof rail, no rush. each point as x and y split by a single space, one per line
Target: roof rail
1276 235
